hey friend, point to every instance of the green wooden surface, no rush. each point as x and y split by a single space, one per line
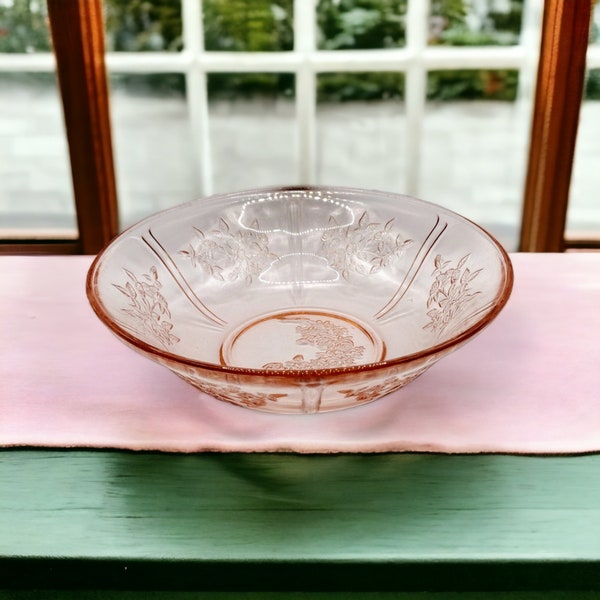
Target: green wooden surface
120 520
169 595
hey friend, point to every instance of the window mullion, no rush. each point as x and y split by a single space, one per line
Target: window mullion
559 90
197 95
305 28
416 86
78 39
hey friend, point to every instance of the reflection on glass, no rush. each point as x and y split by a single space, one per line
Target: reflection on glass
474 156
133 26
152 143
36 195
583 216
475 23
361 139
252 130
24 26
361 24
248 26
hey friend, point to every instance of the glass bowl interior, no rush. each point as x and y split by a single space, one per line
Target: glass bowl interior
299 281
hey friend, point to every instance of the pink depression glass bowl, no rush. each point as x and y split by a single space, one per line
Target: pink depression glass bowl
300 299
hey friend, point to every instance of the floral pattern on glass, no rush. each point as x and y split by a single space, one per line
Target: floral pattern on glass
148 307
235 394
449 292
368 393
228 254
335 346
364 248
372 392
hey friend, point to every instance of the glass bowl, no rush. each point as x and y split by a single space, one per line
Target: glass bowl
300 299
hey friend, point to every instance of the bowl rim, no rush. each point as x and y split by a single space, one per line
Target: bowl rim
499 301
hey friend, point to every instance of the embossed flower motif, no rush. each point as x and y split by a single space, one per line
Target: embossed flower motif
235 394
364 248
336 347
449 292
230 255
372 392
148 307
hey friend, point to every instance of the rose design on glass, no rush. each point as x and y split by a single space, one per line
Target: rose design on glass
449 293
370 392
230 255
235 394
364 248
148 307
335 346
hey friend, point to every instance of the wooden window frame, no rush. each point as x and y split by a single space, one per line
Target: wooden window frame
77 29
559 92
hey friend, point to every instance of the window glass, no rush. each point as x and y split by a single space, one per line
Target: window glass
474 151
475 22
152 143
469 84
361 24
361 130
134 26
36 197
583 215
24 26
244 26
252 130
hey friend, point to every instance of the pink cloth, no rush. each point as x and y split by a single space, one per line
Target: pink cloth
530 383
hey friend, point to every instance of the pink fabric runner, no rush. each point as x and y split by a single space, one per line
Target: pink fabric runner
530 383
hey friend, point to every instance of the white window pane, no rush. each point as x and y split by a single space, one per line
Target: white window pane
583 217
475 23
250 26
361 142
361 25
152 144
252 130
36 196
24 26
133 26
473 162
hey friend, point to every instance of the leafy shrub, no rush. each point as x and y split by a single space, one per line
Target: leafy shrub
22 28
267 26
361 24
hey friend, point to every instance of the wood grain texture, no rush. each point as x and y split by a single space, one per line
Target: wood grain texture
24 246
77 28
561 73
178 595
286 522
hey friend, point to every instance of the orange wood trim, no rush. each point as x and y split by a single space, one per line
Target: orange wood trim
582 244
40 247
77 28
559 91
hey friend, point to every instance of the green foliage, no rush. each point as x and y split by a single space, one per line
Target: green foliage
361 24
243 26
592 85
143 25
344 87
232 86
496 29
472 85
23 27
267 26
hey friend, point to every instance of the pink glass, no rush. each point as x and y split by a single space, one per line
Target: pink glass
300 299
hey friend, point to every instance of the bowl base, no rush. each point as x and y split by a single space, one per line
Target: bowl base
301 339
